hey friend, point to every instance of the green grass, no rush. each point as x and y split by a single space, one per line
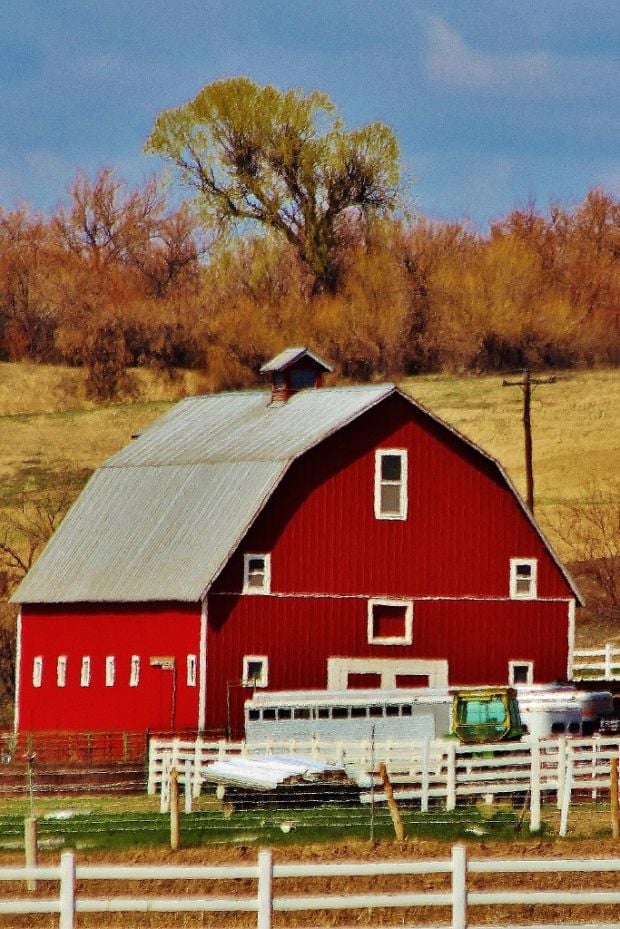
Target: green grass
130 829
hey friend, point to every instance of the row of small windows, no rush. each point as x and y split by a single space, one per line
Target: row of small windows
110 671
374 711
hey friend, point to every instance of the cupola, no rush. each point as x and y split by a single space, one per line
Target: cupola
293 370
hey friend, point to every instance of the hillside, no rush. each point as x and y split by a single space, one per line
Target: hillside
48 428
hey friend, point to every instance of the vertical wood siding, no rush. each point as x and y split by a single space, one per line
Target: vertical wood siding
463 526
87 630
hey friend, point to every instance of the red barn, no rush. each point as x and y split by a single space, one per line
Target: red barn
298 538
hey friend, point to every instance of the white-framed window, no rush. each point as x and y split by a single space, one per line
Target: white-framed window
520 672
134 671
192 665
255 672
85 671
256 574
523 578
390 483
61 671
110 671
37 671
390 622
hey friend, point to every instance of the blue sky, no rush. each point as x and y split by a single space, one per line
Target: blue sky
494 102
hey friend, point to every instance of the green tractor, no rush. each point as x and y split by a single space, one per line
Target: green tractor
484 715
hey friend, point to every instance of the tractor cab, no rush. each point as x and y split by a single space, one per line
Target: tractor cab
486 715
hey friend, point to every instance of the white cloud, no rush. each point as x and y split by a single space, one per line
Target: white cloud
450 60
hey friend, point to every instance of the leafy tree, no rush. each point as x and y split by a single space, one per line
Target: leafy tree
282 160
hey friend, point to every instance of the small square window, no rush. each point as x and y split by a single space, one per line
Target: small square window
520 672
110 671
85 672
256 574
390 622
255 671
61 671
391 484
523 578
191 670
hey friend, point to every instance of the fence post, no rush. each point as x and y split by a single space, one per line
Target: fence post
197 779
459 887
451 776
426 764
397 821
164 804
265 889
535 786
568 786
151 786
174 810
30 848
67 891
187 786
561 769
615 801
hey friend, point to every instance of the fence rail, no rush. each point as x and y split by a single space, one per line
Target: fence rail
439 770
597 664
456 893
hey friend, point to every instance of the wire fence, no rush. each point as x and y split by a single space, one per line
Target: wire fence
486 794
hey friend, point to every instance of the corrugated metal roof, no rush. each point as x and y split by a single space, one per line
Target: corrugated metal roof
286 358
160 519
149 533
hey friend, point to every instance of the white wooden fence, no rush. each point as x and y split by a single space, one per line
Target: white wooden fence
441 771
597 664
456 894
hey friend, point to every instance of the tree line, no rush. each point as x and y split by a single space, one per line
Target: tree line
116 279
296 232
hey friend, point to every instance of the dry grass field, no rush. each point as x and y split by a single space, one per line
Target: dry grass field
48 426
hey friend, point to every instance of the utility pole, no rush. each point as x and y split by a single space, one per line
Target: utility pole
526 384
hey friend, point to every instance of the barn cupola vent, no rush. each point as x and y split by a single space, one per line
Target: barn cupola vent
293 370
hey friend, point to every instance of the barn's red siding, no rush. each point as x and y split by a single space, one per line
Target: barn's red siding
463 527
329 555
99 631
478 638
463 523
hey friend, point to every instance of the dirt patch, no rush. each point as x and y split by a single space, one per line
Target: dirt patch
365 851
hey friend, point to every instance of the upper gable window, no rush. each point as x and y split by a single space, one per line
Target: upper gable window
256 574
390 483
523 578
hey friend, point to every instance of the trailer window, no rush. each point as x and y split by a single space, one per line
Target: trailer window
375 710
322 712
284 712
406 709
340 712
253 715
358 711
269 714
301 712
392 709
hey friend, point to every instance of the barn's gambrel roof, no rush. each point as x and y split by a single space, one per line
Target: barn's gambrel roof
160 519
